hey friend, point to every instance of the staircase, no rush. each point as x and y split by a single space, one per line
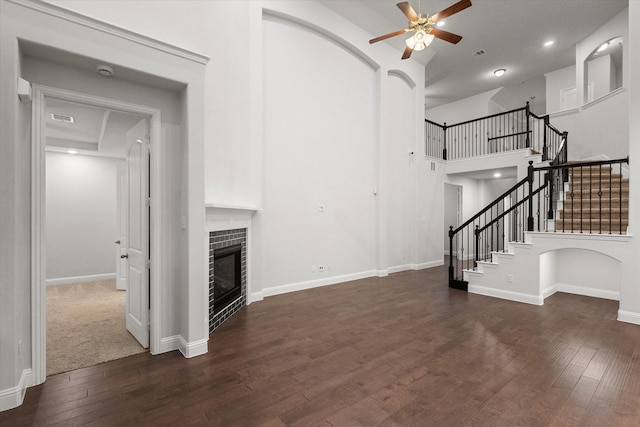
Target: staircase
595 200
589 206
579 200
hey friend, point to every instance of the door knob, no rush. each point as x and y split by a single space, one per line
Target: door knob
117 242
124 256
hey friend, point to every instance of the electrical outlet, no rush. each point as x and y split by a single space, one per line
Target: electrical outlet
510 278
321 268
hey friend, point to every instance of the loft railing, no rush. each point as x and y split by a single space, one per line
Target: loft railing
586 198
507 131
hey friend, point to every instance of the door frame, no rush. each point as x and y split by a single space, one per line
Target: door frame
459 208
38 216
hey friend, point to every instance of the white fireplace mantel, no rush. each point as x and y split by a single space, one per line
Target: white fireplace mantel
226 217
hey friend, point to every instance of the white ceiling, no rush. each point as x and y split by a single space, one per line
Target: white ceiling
95 131
511 32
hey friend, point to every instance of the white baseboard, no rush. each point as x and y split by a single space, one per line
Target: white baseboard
508 295
195 348
425 265
80 279
420 266
188 349
547 292
629 317
333 280
170 343
13 397
254 297
589 292
399 268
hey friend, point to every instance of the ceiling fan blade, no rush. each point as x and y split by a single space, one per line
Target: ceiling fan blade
407 52
408 11
445 35
387 36
454 8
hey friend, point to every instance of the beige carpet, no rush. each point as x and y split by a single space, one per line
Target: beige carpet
86 326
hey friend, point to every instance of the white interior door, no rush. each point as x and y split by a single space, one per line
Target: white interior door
137 244
121 227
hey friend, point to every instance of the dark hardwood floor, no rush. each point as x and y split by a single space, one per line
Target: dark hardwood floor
398 351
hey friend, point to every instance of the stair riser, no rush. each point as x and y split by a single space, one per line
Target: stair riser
596 178
594 197
604 185
593 204
594 189
593 221
595 230
605 215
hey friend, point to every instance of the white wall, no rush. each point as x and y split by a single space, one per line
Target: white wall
465 109
450 200
630 293
516 96
81 216
556 81
400 204
618 26
429 196
602 126
598 75
492 188
229 31
583 271
24 23
472 197
319 150
15 223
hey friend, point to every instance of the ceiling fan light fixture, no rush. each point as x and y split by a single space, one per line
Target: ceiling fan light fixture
419 40
423 26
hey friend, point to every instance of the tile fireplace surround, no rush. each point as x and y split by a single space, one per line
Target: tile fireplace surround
219 240
227 226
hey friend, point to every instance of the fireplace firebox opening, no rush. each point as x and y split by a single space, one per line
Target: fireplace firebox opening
227 276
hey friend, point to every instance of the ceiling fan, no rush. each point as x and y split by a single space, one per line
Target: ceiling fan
423 26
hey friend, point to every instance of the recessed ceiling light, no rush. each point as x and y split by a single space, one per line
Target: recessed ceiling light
500 72
497 175
72 152
440 23
549 43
